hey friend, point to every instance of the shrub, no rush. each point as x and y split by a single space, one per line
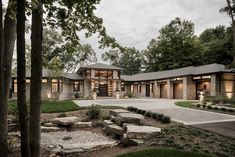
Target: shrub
198 105
148 114
166 119
209 107
223 109
135 109
154 115
94 111
204 105
76 95
130 108
216 108
160 116
143 112
230 110
62 115
106 117
129 95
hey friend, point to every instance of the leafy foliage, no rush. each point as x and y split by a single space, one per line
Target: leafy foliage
129 59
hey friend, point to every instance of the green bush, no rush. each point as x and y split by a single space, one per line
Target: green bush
129 95
148 114
166 119
230 110
76 95
94 111
130 108
198 105
216 108
154 115
160 116
142 112
204 105
62 115
209 107
223 109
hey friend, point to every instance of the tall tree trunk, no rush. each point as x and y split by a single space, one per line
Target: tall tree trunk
3 107
36 78
21 80
233 29
9 42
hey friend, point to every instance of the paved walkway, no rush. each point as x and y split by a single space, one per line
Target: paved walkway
166 106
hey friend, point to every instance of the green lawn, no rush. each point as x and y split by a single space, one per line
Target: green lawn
56 106
163 153
187 104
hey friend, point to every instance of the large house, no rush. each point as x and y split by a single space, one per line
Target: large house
184 83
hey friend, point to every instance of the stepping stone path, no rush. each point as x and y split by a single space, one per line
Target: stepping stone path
129 127
82 125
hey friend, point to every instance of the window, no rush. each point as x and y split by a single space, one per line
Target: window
56 85
110 74
123 86
103 74
97 74
139 88
44 80
88 73
15 86
76 86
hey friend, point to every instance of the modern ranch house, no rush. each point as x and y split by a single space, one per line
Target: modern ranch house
184 83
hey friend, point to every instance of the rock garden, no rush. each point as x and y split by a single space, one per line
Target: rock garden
97 131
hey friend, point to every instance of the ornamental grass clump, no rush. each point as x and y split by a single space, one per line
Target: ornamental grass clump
94 111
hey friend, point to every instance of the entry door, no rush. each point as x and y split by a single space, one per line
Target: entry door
147 90
103 90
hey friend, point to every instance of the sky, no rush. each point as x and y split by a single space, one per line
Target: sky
135 22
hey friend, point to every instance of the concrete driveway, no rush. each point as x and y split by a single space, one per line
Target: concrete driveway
166 106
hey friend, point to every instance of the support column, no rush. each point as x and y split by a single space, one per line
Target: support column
169 89
189 89
214 85
157 90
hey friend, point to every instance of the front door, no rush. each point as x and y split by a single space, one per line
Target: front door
147 90
103 90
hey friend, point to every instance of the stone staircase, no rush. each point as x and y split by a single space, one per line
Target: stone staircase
129 127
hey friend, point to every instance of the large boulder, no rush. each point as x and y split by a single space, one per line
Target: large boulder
65 121
131 118
107 122
115 112
114 129
141 132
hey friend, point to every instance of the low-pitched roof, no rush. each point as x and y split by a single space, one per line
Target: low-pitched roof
100 66
191 70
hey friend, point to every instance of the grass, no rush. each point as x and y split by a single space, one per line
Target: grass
56 106
163 153
187 104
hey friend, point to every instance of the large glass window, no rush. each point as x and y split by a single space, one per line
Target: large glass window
56 85
76 86
103 74
110 74
123 86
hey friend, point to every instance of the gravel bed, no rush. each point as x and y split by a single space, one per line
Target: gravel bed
78 137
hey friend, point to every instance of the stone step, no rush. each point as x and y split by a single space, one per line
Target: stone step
115 112
141 132
124 125
131 142
107 122
114 129
65 121
131 118
50 125
51 129
82 125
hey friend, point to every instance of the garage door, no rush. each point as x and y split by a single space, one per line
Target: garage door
178 90
163 90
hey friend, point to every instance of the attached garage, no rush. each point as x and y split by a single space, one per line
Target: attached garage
178 90
163 90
